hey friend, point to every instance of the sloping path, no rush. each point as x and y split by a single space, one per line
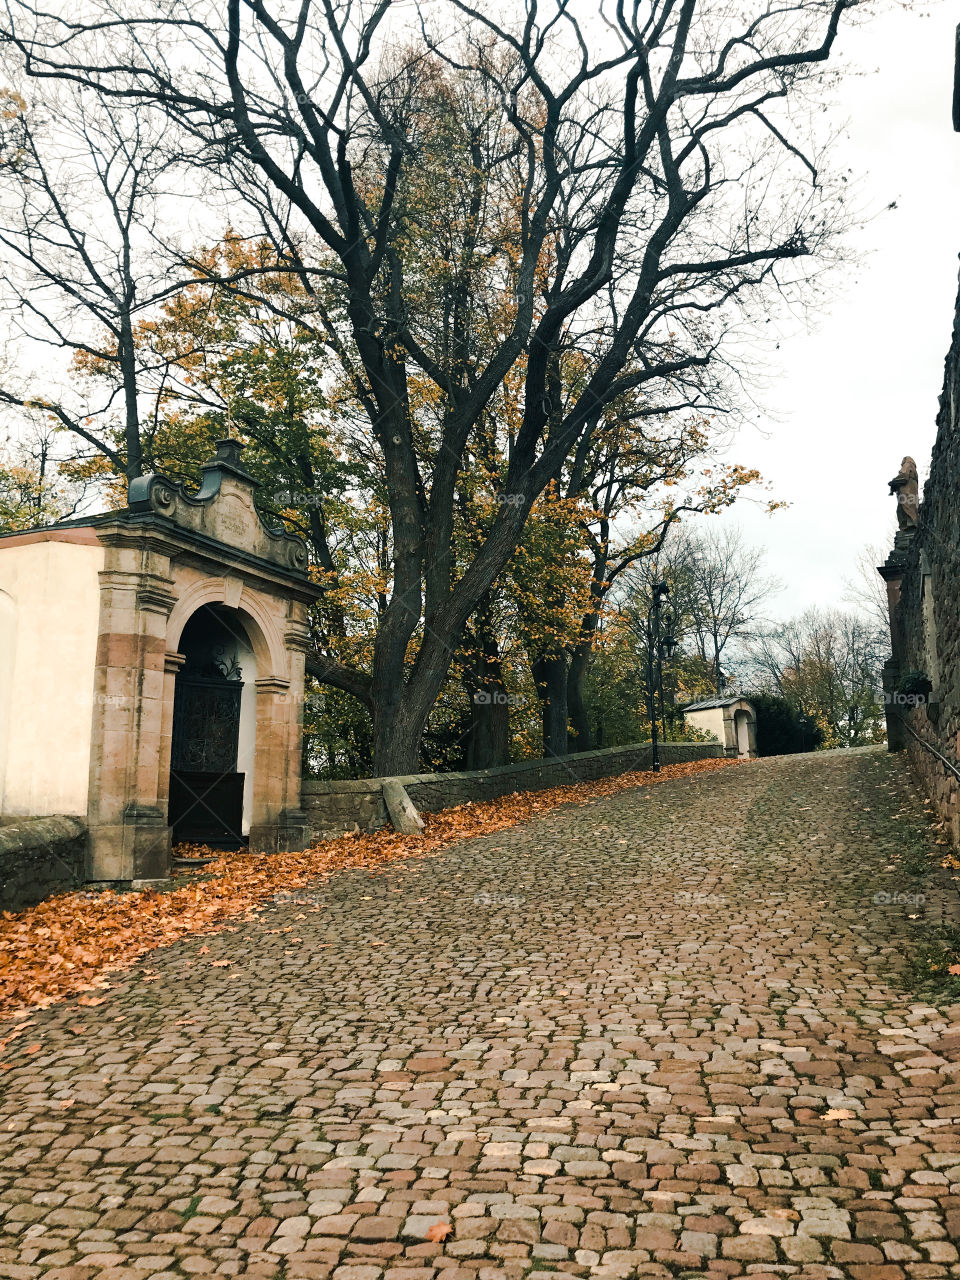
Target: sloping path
658 1035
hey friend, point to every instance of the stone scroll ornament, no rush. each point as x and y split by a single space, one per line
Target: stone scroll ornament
905 485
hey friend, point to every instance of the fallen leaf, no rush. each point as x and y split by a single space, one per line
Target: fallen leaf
219 964
838 1113
439 1231
33 1048
90 1001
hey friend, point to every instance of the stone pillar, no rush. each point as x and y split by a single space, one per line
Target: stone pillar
896 734
279 823
269 768
295 829
127 813
172 664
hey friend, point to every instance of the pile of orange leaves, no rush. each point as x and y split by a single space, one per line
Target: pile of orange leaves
68 943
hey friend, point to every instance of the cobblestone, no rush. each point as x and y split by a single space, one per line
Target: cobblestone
656 1036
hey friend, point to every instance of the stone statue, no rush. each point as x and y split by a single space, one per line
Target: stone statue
905 485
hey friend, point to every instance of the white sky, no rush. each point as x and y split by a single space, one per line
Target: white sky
856 395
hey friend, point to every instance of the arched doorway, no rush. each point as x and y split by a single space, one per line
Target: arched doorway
742 721
214 731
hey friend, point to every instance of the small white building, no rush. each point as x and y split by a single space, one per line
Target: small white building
732 720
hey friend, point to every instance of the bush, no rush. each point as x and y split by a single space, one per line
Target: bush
781 729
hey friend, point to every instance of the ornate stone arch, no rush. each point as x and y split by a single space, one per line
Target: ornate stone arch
167 555
264 634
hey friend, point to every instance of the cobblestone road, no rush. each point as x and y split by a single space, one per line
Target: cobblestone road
654 1036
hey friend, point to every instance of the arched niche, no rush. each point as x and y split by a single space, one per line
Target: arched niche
213 731
745 733
258 624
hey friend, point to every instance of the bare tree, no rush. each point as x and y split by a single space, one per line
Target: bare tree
727 591
827 664
619 188
866 590
716 593
37 483
77 223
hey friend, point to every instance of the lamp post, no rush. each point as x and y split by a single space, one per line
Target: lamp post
660 642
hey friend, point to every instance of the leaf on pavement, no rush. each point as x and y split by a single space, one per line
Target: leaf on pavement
439 1231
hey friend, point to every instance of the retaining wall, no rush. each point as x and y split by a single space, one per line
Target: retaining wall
923 586
334 807
38 857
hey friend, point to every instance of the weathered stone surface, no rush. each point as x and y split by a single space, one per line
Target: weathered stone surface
400 809
40 856
657 1035
923 588
359 803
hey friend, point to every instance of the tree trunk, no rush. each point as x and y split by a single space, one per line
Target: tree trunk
489 742
550 677
128 371
398 725
581 737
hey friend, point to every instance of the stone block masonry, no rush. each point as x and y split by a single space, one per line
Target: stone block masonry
335 807
38 857
922 575
651 1036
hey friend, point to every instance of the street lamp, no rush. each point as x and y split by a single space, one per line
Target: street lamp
660 641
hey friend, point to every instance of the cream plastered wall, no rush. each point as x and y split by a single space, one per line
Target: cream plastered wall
8 650
710 720
48 690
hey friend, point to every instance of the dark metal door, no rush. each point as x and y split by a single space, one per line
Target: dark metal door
206 791
206 724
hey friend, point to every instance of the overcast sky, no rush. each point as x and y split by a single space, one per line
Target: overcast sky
861 391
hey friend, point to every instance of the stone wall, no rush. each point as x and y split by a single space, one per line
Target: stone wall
38 857
923 584
339 806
